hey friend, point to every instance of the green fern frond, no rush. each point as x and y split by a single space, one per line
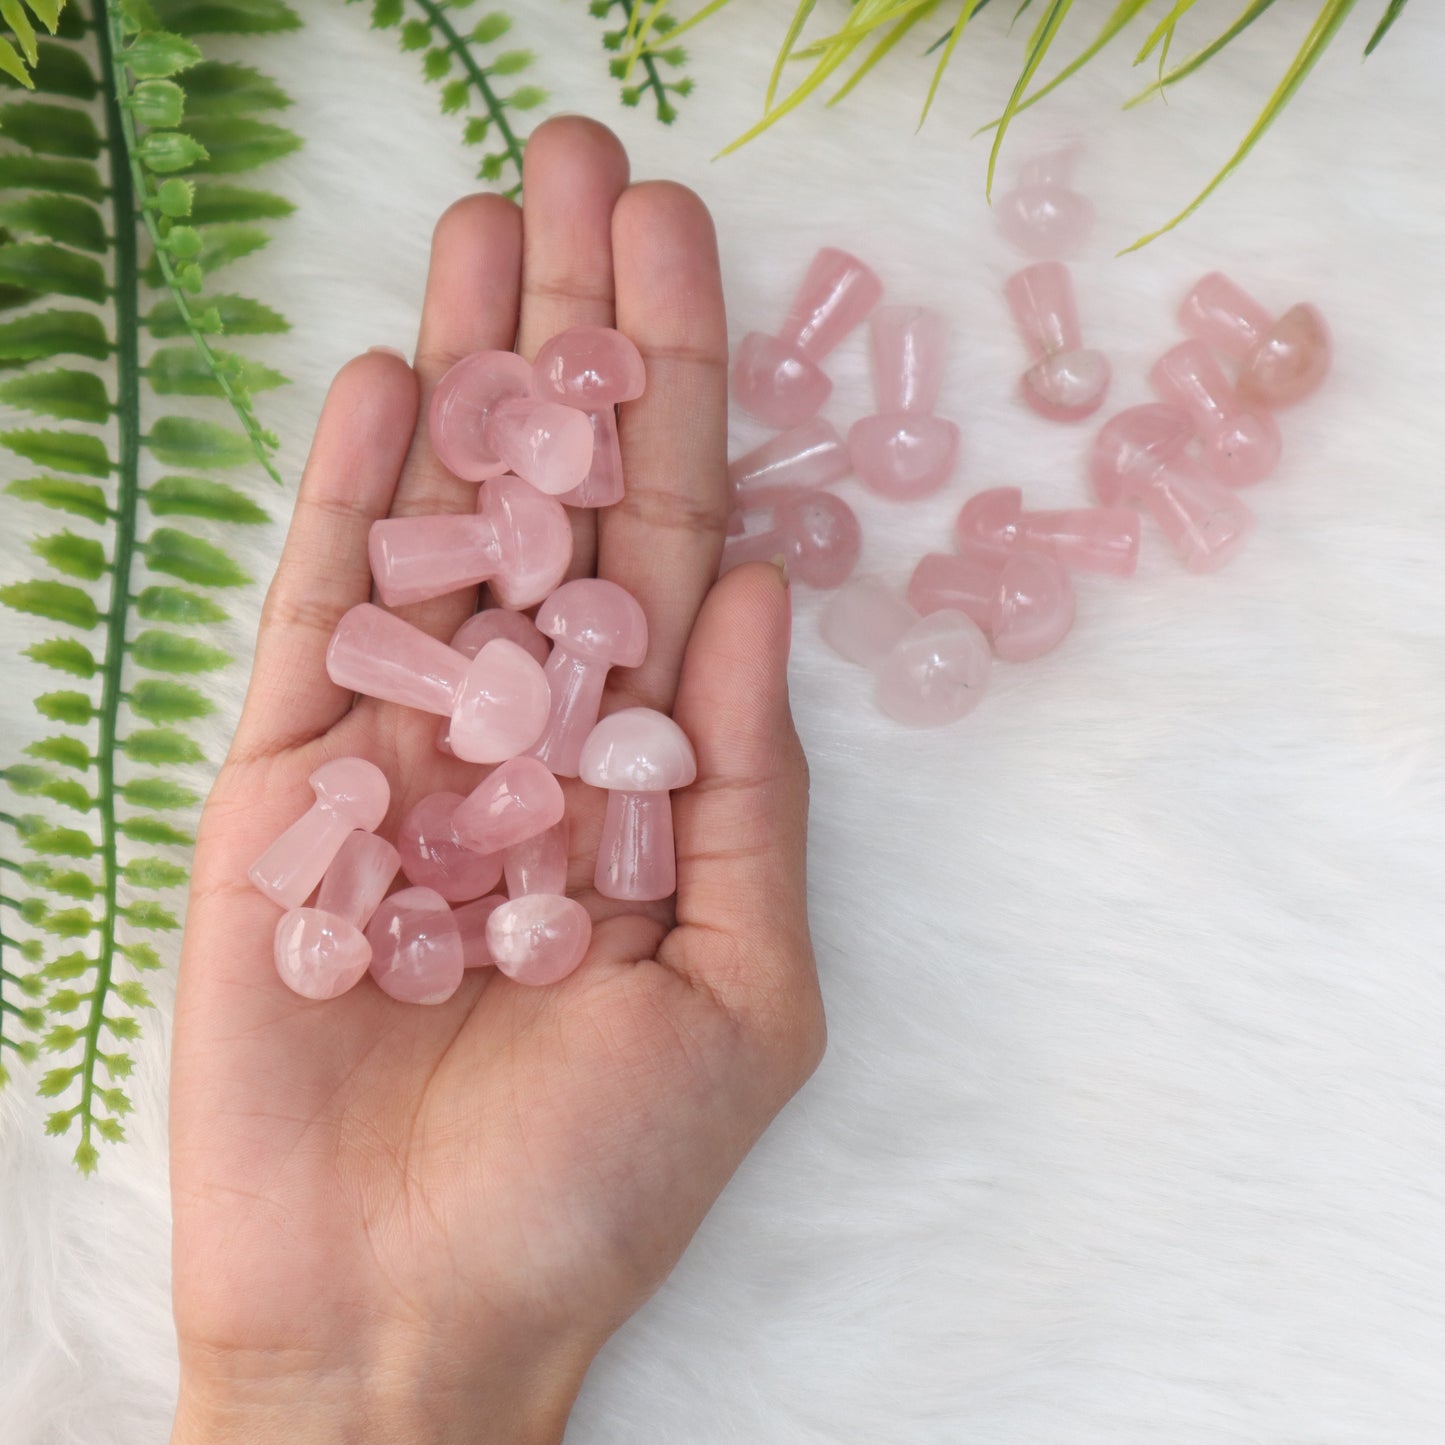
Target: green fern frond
645 43
471 70
131 579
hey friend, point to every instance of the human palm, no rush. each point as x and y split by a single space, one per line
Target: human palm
479 1192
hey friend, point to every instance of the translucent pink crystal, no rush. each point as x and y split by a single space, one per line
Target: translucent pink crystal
471 920
639 756
817 535
543 442
1042 216
357 880
1281 362
936 672
1092 539
603 484
864 619
909 348
433 857
595 625
539 938
807 457
1240 446
589 367
350 793
514 802
539 865
416 947
462 404
497 702
778 379
519 540
1022 599
1066 382
481 628
1139 457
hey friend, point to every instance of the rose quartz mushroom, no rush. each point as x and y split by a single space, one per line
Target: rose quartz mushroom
1043 216
1091 539
595 625
539 864
937 671
497 701
1023 600
432 856
816 534
351 793
539 938
1065 382
1241 447
518 540
803 459
416 947
485 626
864 619
471 920
512 803
639 756
778 379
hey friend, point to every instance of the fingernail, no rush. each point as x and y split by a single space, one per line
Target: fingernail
781 563
389 351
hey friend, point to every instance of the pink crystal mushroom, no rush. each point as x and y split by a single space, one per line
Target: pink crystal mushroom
809 456
1281 362
592 368
778 379
905 451
1066 382
1240 446
1090 539
864 619
433 857
471 920
485 626
351 793
1139 457
497 702
416 947
539 938
518 540
485 421
816 534
539 864
1022 599
321 952
639 756
595 625
1042 216
512 803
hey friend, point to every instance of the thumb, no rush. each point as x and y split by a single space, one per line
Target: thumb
742 826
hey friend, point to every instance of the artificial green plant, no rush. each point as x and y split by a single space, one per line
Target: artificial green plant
117 210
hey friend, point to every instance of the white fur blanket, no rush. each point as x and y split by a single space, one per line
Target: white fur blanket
1132 1129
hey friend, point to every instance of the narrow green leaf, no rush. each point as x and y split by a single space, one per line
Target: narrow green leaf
70 923
38 173
66 707
65 451
155 54
61 843
239 316
55 600
48 13
160 747
201 497
227 17
65 393
183 371
1040 41
164 151
155 872
70 752
157 700
174 652
74 556
216 88
44 334
13 64
82 499
217 203
52 130
157 793
192 559
67 219
1248 16
142 955
157 831
175 604
238 143
53 270
183 441
1393 11
218 246
65 655
63 70
159 103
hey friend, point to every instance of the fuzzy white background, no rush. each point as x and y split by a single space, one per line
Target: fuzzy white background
1132 1129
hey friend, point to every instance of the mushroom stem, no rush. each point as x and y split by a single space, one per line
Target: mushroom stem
635 856
576 685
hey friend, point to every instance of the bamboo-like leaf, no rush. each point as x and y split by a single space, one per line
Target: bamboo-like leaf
52 130
179 554
1393 11
12 63
69 752
71 395
65 451
160 700
227 17
201 497
46 269
174 652
56 601
65 655
216 203
235 315
81 499
67 219
175 604
238 143
183 441
44 334
882 47
1039 42
160 747
180 371
40 173
74 556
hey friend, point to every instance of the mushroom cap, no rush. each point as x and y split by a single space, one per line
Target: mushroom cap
355 788
594 618
1133 447
534 540
638 750
494 622
990 519
589 367
823 535
461 404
